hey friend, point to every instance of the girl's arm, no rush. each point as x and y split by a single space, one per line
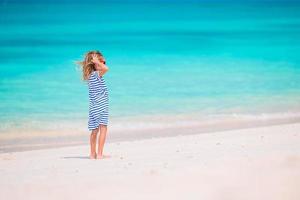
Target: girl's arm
103 69
100 65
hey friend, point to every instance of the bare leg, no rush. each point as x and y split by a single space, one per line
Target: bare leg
101 141
93 140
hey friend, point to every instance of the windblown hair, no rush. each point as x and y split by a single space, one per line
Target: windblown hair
87 66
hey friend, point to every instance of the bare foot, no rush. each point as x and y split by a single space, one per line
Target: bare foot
93 156
102 156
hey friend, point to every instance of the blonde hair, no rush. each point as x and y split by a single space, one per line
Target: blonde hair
87 66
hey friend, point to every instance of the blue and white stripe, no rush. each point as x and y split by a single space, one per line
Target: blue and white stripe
98 101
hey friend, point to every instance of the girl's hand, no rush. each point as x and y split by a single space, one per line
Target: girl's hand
95 59
100 64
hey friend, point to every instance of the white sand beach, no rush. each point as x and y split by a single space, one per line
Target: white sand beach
250 163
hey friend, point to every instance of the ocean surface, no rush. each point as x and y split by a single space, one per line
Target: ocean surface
167 58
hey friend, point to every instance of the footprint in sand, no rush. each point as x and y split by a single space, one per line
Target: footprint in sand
7 157
153 172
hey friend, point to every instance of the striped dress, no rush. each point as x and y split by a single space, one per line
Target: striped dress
98 101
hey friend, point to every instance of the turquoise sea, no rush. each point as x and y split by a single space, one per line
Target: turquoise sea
165 58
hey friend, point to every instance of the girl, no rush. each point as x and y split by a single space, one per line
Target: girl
93 69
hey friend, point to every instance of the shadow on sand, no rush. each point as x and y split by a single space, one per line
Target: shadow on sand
76 157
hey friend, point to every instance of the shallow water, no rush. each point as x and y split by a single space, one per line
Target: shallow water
164 59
